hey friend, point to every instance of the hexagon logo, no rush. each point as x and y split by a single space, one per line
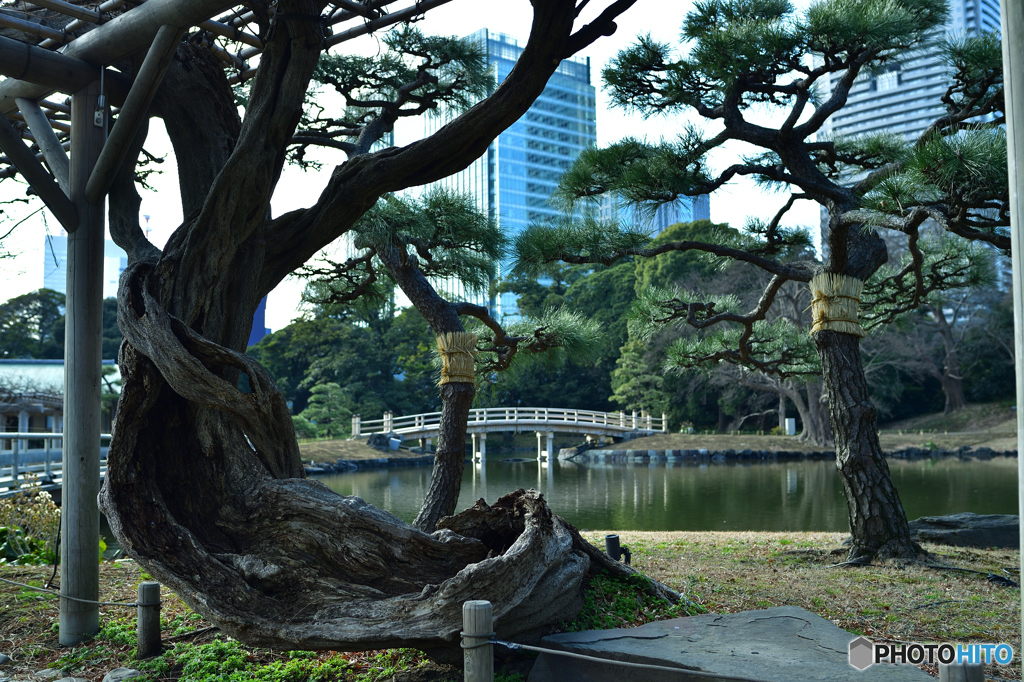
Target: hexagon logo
861 653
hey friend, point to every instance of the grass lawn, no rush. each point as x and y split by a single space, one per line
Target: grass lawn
720 572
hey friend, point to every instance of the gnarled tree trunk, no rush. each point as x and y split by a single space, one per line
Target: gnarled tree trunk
205 487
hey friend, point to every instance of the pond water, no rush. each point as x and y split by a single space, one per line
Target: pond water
789 496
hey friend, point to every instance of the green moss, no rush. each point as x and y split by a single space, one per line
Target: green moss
613 603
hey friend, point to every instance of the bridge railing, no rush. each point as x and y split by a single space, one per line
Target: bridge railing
534 416
16 459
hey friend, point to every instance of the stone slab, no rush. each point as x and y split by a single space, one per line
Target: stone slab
969 530
780 644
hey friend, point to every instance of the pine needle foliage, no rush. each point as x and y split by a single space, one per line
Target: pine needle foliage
739 55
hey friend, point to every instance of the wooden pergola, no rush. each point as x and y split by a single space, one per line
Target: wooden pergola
69 49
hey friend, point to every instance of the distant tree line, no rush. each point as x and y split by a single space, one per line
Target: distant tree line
337 361
32 326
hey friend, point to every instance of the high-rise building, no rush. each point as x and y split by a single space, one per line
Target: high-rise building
514 179
906 96
682 210
55 264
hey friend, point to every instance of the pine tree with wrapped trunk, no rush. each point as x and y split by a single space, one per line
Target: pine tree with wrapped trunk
763 53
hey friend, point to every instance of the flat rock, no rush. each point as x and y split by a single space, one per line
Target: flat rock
969 530
4 658
72 679
121 674
48 673
780 644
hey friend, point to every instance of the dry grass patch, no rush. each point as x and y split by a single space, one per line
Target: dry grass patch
333 450
733 571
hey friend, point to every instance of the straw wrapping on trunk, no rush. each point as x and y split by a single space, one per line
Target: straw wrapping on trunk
835 303
456 350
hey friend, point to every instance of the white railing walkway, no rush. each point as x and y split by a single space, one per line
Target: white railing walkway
545 421
17 459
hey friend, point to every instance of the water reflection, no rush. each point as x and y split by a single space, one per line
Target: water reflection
668 496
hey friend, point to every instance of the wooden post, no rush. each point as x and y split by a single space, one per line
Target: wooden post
148 627
14 460
961 672
80 529
355 426
1013 84
664 422
483 447
477 630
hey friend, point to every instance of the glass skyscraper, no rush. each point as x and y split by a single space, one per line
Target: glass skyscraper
906 97
514 180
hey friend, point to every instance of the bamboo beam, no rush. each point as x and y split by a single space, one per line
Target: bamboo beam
386 20
73 11
32 28
37 176
124 35
49 145
55 106
22 61
134 111
231 33
346 15
356 8
108 6
9 171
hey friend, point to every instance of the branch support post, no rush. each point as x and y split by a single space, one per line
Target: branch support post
80 530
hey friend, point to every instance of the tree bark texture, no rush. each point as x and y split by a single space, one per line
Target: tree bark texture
878 523
449 458
456 397
205 486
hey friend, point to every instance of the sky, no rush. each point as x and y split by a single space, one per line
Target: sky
732 204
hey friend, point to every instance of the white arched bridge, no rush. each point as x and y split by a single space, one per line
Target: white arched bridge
545 421
40 453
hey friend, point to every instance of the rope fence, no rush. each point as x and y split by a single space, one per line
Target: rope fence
148 607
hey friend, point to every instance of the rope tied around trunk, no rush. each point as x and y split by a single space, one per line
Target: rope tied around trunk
456 350
835 303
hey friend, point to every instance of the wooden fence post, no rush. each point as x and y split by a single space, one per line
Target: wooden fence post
961 672
148 628
477 630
